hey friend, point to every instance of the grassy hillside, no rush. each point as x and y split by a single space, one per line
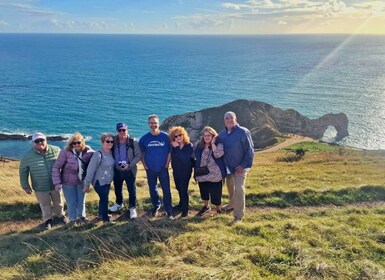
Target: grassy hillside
320 218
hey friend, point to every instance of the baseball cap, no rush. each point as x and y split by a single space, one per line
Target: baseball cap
121 125
38 135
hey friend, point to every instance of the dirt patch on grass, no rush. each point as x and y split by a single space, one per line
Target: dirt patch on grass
294 139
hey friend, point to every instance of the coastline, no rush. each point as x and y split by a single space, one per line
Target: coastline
6 136
290 140
7 159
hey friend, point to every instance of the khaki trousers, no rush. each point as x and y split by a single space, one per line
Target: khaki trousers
45 198
236 188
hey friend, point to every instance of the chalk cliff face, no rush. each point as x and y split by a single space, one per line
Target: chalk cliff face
264 121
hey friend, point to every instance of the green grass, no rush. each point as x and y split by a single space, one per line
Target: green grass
320 218
314 198
312 147
271 244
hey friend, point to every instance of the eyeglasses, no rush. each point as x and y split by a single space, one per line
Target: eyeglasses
39 141
121 130
177 135
109 142
152 122
76 143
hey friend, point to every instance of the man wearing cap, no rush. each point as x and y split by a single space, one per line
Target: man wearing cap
37 163
238 157
127 154
156 157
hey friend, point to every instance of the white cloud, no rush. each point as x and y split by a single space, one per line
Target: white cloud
237 16
376 8
4 24
75 24
27 9
235 6
371 5
205 22
129 25
300 15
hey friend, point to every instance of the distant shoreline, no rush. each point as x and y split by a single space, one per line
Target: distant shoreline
5 136
7 159
292 139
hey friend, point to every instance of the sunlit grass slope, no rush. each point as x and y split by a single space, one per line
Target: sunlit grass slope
320 218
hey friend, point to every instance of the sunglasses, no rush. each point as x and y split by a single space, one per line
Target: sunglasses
39 141
177 136
121 130
76 143
109 142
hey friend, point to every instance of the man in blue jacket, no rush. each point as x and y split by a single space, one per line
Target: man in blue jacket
238 157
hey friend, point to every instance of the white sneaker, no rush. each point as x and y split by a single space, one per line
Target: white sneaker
116 207
133 214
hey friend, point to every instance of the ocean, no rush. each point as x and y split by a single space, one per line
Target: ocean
62 83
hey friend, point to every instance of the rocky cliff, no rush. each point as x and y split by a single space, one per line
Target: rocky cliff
264 121
4 136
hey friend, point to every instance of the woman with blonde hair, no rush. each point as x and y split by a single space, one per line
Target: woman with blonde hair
210 169
68 174
181 162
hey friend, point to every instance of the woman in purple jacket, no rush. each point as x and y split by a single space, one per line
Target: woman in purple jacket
68 174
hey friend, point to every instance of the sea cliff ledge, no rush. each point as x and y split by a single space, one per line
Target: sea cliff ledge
265 122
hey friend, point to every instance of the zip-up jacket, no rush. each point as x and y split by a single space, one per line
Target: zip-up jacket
66 168
38 166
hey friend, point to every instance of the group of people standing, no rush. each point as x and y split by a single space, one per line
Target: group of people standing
215 158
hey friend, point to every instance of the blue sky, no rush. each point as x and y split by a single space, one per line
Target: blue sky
193 16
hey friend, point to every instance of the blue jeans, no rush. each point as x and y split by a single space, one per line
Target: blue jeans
103 191
164 179
181 184
76 201
128 177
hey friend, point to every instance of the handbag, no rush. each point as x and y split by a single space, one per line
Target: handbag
202 170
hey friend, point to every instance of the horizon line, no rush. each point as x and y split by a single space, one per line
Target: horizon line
198 34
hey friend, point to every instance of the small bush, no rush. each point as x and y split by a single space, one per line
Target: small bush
299 153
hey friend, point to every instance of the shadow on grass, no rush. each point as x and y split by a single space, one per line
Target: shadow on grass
23 211
62 250
310 197
19 211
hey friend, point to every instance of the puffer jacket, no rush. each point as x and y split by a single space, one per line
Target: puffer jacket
39 167
66 167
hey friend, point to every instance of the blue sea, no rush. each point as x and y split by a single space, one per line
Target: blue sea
62 83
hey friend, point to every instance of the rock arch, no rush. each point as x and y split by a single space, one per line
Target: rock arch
264 121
